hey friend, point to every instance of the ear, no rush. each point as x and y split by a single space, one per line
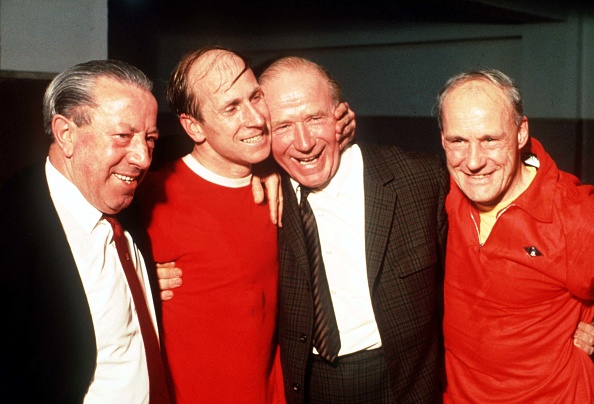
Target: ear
63 130
442 139
523 133
193 128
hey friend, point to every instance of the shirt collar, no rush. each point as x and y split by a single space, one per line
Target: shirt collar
209 176
68 199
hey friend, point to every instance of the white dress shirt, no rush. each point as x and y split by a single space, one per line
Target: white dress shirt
339 209
121 375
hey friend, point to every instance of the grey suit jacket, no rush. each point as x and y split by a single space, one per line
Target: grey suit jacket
405 230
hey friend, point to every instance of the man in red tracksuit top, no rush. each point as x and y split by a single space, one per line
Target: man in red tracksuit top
519 266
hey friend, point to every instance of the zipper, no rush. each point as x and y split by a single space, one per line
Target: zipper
476 227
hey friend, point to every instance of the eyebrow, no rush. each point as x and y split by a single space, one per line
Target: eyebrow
237 100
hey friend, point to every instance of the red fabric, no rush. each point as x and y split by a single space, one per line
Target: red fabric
219 328
510 317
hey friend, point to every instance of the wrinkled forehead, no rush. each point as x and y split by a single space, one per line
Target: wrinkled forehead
216 71
303 84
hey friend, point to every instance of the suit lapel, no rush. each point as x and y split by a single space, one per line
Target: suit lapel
380 202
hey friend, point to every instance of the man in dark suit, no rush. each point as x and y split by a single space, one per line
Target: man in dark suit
382 229
76 325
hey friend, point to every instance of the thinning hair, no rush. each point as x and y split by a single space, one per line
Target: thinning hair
293 63
70 93
512 92
181 97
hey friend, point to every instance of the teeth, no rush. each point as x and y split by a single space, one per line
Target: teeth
307 161
252 140
125 178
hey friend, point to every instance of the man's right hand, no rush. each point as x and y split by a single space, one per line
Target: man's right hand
584 337
169 278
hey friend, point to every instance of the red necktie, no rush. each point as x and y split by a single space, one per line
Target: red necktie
158 392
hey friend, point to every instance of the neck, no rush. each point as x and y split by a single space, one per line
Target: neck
219 165
520 183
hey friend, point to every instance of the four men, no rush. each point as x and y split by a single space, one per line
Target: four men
78 331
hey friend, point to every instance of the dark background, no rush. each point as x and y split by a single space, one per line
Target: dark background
137 28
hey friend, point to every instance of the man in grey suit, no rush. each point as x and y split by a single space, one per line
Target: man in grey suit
382 229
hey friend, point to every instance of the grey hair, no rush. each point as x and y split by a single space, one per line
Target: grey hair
291 63
496 77
71 92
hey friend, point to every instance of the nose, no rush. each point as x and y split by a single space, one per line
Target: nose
253 117
140 153
475 159
303 139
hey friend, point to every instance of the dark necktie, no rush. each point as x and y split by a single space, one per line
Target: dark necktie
326 338
158 392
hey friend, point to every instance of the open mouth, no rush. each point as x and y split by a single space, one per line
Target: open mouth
478 177
253 140
125 178
308 160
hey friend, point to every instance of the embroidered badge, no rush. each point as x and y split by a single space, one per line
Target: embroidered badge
533 251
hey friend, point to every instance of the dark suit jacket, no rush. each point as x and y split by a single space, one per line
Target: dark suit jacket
48 350
405 230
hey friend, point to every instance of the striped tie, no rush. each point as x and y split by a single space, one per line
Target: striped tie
326 338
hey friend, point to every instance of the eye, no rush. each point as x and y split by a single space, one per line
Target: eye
281 128
257 97
230 109
122 138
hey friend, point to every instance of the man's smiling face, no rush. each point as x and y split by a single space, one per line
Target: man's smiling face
303 126
235 119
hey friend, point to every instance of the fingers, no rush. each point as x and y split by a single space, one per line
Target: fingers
280 208
169 278
583 338
581 344
586 328
345 124
257 189
274 193
166 295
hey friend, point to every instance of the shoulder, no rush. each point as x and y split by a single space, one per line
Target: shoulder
405 166
575 198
